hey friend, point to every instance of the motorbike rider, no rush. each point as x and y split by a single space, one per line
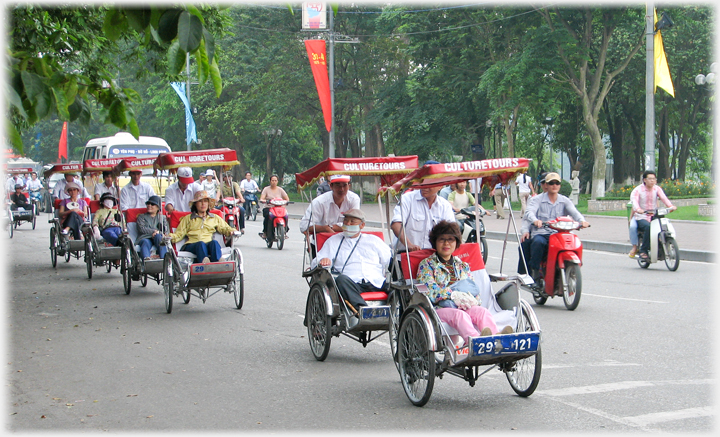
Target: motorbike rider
644 199
232 189
361 259
18 199
34 185
180 193
325 211
248 184
272 191
107 186
548 206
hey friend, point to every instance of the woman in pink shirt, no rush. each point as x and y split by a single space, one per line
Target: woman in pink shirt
644 199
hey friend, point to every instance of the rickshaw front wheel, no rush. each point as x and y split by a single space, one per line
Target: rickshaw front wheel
125 265
238 281
53 247
416 362
524 375
168 282
395 314
319 324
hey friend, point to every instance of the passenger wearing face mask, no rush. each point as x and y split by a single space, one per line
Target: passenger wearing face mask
105 223
359 259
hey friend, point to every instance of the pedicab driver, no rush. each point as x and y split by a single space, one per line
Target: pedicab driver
548 206
136 192
328 208
361 259
179 194
199 226
421 210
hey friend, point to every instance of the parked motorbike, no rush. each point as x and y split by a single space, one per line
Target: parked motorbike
662 241
469 233
561 267
278 216
251 204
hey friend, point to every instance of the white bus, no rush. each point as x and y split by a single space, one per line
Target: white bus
123 144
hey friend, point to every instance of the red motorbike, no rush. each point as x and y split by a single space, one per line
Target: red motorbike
231 211
561 267
278 217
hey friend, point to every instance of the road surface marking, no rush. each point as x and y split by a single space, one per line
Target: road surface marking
668 416
624 298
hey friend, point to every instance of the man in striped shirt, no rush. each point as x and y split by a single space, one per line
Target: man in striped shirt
548 206
644 199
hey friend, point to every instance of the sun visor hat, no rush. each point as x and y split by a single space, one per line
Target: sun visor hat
339 178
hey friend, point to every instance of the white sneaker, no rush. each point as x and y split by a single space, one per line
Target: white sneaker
206 260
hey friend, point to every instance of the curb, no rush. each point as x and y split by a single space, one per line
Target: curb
603 246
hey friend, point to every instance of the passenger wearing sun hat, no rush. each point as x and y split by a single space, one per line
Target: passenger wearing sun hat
180 193
72 210
360 259
548 206
325 211
199 226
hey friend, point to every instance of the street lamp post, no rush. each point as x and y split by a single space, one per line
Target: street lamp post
709 80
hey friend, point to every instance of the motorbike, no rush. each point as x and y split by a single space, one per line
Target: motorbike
36 200
251 204
561 267
278 216
662 241
231 211
469 233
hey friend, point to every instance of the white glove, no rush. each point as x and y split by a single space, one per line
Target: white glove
96 232
463 300
166 239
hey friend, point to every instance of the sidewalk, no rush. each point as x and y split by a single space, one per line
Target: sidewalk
609 234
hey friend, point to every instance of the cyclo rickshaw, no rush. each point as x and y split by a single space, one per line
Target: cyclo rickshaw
422 345
327 315
132 268
182 274
16 218
62 245
97 253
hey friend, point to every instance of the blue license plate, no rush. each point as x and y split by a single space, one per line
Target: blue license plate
369 312
509 344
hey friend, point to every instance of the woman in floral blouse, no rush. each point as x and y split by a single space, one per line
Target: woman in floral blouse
443 274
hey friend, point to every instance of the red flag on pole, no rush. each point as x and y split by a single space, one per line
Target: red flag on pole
316 53
62 146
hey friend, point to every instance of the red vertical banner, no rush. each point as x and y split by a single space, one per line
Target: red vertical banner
316 54
62 146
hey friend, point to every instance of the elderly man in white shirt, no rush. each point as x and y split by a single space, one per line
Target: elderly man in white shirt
325 211
179 194
59 189
420 210
361 260
136 192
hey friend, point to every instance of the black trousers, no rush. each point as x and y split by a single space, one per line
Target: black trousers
350 290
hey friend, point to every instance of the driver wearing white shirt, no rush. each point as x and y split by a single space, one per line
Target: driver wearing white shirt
179 194
59 189
326 210
360 259
420 210
136 192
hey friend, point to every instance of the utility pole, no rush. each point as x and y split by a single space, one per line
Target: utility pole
331 76
187 90
650 87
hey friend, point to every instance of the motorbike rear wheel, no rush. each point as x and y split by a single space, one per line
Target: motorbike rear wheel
573 279
642 262
254 209
280 236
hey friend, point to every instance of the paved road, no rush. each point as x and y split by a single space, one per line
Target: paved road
83 356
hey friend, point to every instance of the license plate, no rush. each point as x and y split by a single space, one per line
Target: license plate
375 312
506 344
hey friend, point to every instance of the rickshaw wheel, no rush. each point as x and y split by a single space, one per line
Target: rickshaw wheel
540 300
67 256
11 226
573 279
185 296
53 248
34 219
524 375
319 324
168 285
125 270
395 314
280 236
108 266
415 359
484 248
238 281
88 259
672 260
143 280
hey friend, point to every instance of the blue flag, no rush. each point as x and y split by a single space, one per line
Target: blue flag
191 133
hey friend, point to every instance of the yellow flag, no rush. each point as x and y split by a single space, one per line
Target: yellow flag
662 71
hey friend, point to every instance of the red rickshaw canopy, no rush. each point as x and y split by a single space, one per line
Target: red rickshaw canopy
389 168
197 158
19 170
433 175
63 168
100 165
133 164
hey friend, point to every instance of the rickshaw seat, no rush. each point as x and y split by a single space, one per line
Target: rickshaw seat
321 237
374 295
468 252
174 219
